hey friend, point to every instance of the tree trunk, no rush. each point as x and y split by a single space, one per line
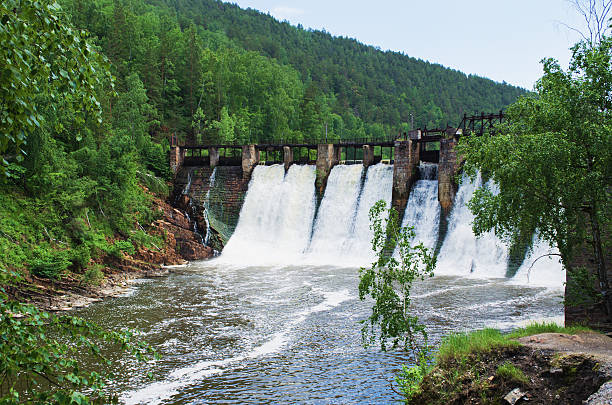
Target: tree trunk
602 272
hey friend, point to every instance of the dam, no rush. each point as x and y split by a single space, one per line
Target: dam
275 317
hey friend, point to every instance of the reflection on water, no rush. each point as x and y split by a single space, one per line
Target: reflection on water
288 334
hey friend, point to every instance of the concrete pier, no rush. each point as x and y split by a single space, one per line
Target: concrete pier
177 157
404 172
287 157
327 158
250 159
448 167
213 154
368 156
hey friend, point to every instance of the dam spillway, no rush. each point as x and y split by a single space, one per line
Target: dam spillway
281 223
280 308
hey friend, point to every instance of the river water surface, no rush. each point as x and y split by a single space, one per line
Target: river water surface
275 318
288 334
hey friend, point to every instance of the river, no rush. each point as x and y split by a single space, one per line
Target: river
275 318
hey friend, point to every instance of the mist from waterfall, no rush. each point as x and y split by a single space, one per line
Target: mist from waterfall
462 253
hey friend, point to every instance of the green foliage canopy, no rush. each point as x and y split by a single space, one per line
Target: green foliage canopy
40 54
553 160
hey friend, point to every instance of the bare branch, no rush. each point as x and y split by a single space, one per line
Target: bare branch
595 15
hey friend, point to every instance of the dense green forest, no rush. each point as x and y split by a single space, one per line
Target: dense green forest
93 89
215 70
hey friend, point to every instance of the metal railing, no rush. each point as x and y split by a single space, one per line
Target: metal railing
477 124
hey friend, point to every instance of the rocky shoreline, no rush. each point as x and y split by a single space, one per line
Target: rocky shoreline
544 368
181 245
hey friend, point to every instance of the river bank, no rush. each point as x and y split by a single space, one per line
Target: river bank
181 244
486 367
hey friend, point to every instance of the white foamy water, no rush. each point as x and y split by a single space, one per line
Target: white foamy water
423 212
276 217
179 379
331 231
462 253
542 267
378 186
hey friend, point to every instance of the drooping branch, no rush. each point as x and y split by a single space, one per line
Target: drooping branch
538 258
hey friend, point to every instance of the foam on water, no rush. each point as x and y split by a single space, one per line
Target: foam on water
184 377
462 253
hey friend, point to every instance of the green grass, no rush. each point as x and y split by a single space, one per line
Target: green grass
463 361
460 345
547 327
510 372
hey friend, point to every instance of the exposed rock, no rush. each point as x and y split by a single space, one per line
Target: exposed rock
514 396
191 250
182 243
594 344
602 397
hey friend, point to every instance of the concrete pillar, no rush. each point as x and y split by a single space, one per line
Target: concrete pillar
448 167
327 158
287 157
177 157
250 159
404 173
368 156
213 154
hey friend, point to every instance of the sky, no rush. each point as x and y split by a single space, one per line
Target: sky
501 40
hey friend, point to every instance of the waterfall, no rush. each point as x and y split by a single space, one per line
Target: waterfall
276 217
378 186
332 228
189 180
207 205
422 210
277 224
342 232
462 253
540 270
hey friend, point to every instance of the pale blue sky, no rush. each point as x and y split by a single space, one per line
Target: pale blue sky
501 40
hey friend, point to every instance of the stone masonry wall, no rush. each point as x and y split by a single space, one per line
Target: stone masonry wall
406 160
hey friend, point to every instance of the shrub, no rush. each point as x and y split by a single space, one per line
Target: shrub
122 246
48 262
93 275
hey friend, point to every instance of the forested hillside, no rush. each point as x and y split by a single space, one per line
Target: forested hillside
217 71
92 89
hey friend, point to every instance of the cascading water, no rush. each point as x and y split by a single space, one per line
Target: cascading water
207 206
275 317
276 217
337 209
189 180
192 209
462 253
542 266
378 186
342 234
422 210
